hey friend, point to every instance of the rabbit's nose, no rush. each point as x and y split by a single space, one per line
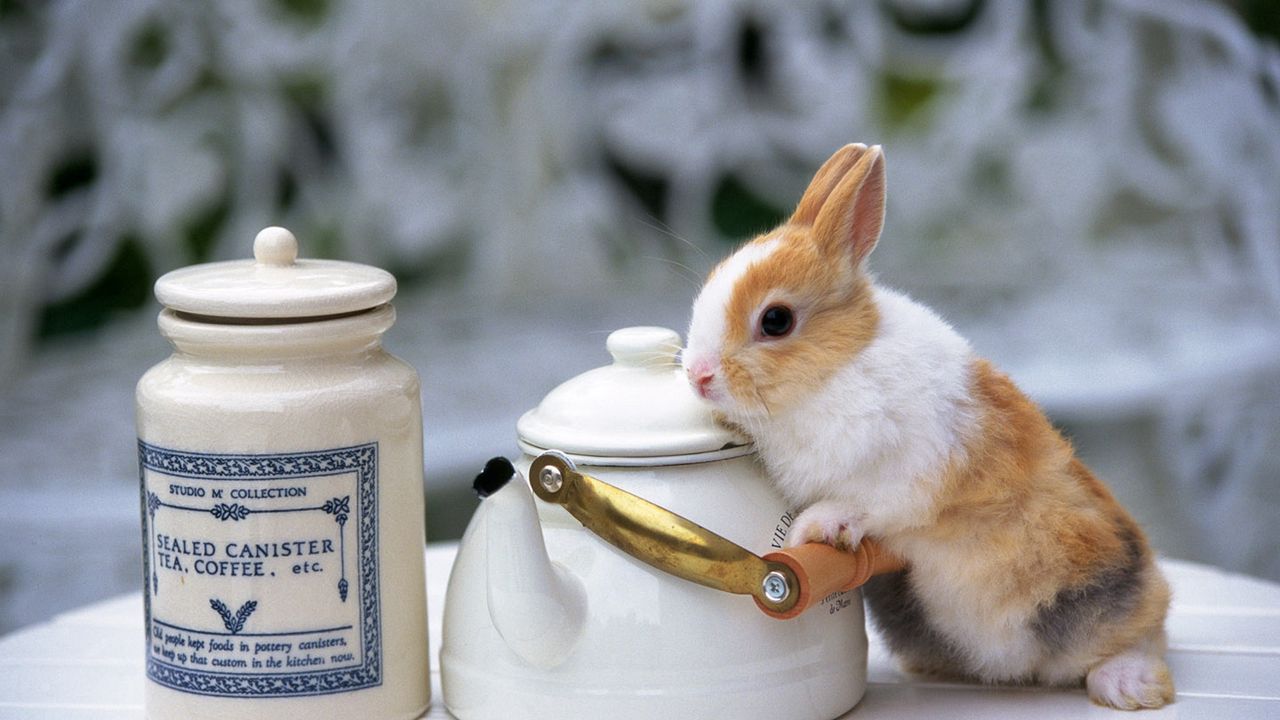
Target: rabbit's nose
700 377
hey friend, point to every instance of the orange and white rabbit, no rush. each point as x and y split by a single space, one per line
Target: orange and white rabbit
873 415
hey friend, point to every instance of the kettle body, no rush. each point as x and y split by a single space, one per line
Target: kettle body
544 619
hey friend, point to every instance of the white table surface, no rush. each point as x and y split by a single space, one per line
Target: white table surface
1224 632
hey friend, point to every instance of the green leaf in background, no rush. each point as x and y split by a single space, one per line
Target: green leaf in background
1262 16
739 213
906 100
125 285
649 190
308 95
150 46
1044 95
10 9
934 18
201 232
306 12
77 169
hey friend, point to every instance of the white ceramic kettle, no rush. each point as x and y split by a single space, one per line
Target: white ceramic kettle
546 618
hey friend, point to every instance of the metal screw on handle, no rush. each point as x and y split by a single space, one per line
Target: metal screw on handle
775 586
551 478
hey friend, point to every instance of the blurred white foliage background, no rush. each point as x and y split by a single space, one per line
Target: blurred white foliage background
1089 189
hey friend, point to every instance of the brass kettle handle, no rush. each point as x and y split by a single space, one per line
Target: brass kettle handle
783 583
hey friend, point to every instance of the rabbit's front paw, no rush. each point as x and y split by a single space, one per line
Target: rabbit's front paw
827 522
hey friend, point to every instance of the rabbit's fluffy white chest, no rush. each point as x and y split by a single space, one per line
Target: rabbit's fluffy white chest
883 430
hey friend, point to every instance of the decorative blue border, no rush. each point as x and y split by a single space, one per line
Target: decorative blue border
360 459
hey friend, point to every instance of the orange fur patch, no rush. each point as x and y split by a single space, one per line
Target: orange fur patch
816 270
1038 520
835 319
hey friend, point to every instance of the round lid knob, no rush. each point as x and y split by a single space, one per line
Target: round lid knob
639 407
275 246
651 347
275 284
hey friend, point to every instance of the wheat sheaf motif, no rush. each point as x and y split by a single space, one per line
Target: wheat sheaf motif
234 623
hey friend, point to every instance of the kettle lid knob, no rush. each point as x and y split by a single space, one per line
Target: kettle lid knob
649 347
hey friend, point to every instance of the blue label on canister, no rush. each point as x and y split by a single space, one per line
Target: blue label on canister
261 571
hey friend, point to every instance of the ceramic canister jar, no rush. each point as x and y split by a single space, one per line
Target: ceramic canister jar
544 619
280 450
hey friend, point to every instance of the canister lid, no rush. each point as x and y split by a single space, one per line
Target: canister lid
275 284
638 410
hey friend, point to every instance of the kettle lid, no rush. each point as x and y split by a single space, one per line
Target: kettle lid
639 410
275 285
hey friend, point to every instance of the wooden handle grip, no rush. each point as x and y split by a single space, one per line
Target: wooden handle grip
821 570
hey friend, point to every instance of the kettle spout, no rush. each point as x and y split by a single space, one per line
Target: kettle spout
538 606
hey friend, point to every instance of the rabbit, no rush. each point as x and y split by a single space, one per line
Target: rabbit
876 418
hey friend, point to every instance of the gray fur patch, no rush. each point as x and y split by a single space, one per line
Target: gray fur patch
1112 592
898 615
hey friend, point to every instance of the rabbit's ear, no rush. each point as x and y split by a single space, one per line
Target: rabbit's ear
849 224
824 181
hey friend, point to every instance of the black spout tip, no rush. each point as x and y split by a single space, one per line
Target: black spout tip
494 477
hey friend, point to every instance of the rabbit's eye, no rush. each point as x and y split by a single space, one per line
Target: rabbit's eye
776 321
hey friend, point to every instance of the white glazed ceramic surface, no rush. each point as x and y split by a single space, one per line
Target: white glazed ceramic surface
582 630
638 406
275 284
283 522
